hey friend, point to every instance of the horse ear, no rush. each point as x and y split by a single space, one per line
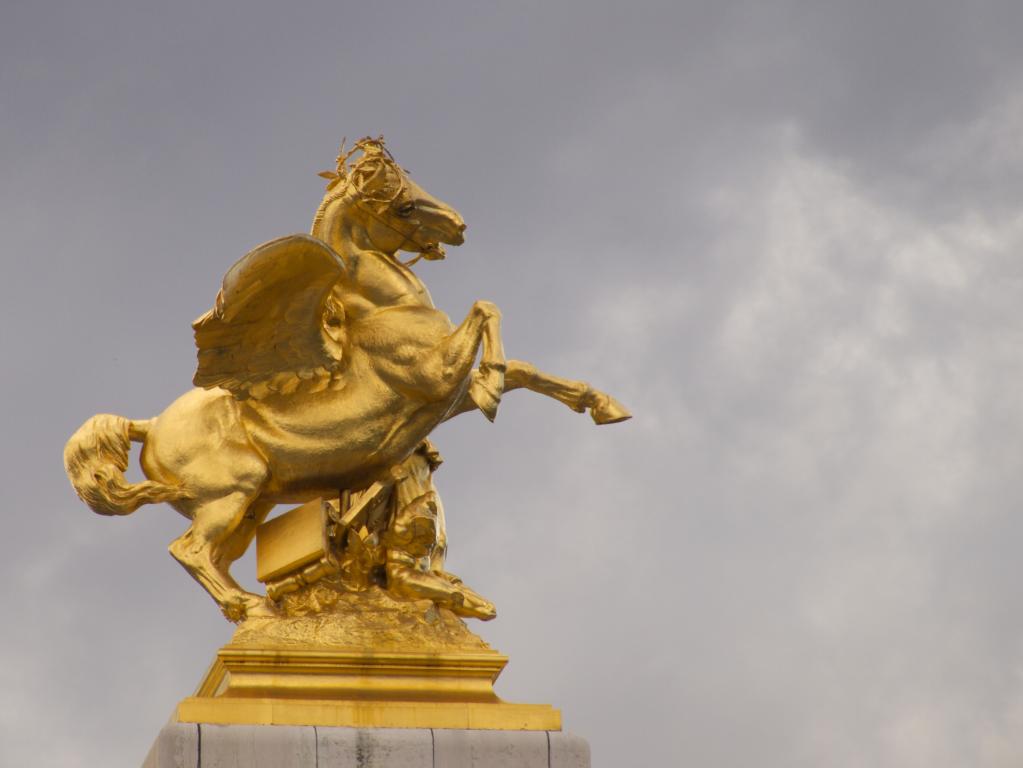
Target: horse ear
331 175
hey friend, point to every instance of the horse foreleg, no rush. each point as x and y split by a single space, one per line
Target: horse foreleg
214 523
577 395
482 326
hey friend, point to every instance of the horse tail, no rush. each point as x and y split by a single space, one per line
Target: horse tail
95 459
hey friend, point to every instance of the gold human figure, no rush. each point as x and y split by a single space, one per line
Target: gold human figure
322 366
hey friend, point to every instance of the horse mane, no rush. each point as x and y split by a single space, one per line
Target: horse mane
341 185
343 192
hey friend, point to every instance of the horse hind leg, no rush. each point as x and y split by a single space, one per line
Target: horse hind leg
200 551
235 545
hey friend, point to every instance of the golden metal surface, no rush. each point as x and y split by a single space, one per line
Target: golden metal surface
300 686
325 673
322 368
326 615
376 661
371 714
290 541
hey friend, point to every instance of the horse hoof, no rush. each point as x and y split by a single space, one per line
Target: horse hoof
607 410
234 612
485 398
248 607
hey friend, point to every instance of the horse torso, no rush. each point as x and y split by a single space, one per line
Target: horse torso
338 438
390 396
393 391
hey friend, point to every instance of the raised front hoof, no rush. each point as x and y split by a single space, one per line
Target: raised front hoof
487 399
607 410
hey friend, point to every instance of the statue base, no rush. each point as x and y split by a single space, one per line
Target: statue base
190 745
360 660
368 689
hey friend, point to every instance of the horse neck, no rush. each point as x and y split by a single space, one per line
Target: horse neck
338 228
332 223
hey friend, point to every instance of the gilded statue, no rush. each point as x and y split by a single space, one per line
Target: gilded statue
323 367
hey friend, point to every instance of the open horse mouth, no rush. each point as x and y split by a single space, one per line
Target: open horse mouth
432 252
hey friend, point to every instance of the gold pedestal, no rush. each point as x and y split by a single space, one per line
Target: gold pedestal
334 656
318 686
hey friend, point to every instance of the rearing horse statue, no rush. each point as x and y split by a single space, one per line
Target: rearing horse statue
322 365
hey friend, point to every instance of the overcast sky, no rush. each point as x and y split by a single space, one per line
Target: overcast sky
785 234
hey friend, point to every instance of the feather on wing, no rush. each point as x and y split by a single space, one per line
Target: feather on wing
278 322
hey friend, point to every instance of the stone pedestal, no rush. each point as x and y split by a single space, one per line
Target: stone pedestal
199 745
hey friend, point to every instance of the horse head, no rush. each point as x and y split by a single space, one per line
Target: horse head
395 212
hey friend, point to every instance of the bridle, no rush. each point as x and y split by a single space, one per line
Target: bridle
375 205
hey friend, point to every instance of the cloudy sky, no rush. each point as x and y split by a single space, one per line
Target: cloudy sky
787 235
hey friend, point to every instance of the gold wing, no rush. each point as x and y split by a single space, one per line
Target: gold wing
278 322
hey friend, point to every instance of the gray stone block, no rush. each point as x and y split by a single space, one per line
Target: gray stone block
568 750
186 745
257 746
375 747
489 749
177 746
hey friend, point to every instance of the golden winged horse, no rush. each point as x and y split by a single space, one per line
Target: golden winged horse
322 365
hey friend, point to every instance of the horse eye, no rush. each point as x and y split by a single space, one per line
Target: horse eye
405 209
